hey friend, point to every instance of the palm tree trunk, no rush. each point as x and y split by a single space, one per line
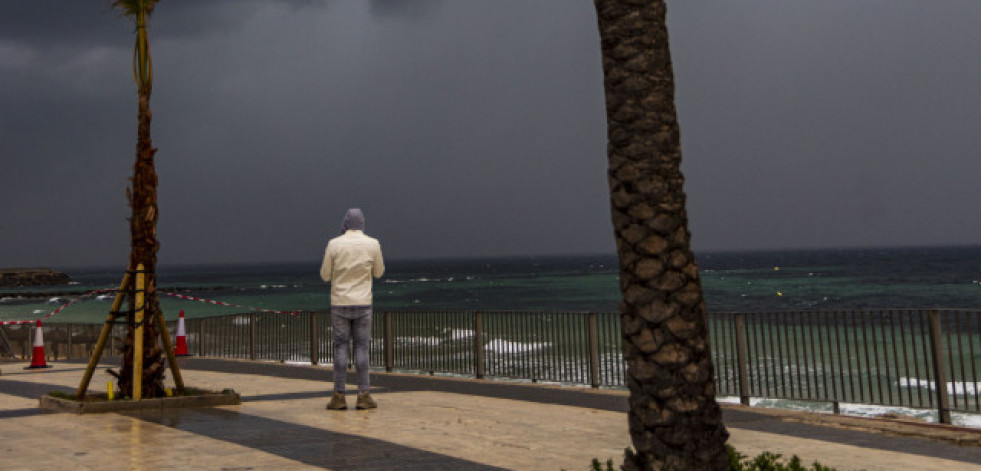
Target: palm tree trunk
675 422
143 201
143 224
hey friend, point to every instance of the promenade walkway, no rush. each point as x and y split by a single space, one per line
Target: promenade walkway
422 423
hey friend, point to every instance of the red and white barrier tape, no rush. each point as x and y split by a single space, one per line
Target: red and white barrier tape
222 303
52 313
175 295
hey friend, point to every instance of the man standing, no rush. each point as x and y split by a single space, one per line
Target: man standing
350 261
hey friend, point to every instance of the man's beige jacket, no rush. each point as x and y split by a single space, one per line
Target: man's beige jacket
349 263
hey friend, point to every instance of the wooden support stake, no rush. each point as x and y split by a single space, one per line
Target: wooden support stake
169 349
106 332
138 336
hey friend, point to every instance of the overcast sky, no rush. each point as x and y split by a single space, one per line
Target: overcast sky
477 127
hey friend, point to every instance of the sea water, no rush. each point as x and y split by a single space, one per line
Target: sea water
732 281
887 278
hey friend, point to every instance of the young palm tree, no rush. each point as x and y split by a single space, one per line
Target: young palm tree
143 201
675 422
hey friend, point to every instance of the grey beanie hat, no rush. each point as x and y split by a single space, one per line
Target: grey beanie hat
353 220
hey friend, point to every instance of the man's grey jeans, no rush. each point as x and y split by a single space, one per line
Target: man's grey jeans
351 322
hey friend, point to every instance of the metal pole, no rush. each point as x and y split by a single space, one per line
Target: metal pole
594 369
389 342
314 339
741 359
478 343
939 368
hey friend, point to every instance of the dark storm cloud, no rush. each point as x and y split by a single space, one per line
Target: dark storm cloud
403 8
82 23
48 22
838 123
477 127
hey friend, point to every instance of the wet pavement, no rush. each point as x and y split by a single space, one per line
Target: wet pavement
422 422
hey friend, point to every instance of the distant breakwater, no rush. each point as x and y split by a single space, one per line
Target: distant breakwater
17 277
30 296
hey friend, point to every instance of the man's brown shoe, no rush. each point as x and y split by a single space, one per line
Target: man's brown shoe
337 402
366 402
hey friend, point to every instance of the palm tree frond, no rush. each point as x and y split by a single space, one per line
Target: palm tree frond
132 7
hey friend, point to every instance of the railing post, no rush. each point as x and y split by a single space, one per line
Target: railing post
741 359
201 337
68 328
939 368
594 367
314 339
252 329
112 342
478 343
389 342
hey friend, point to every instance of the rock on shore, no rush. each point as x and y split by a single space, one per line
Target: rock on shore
14 277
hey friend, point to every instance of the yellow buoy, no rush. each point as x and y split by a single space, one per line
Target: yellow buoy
779 293
109 392
169 392
776 268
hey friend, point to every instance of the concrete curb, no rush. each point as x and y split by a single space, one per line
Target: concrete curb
964 436
57 404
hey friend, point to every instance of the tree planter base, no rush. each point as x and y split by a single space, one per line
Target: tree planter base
98 403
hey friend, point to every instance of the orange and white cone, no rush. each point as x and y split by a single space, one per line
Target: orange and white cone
37 359
180 345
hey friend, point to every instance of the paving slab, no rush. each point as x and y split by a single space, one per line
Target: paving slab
422 423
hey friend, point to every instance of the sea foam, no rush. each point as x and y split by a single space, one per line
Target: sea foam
504 346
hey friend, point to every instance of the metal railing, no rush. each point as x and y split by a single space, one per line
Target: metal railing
894 358
923 359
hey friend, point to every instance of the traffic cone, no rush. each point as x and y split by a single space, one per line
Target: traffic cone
37 359
180 348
